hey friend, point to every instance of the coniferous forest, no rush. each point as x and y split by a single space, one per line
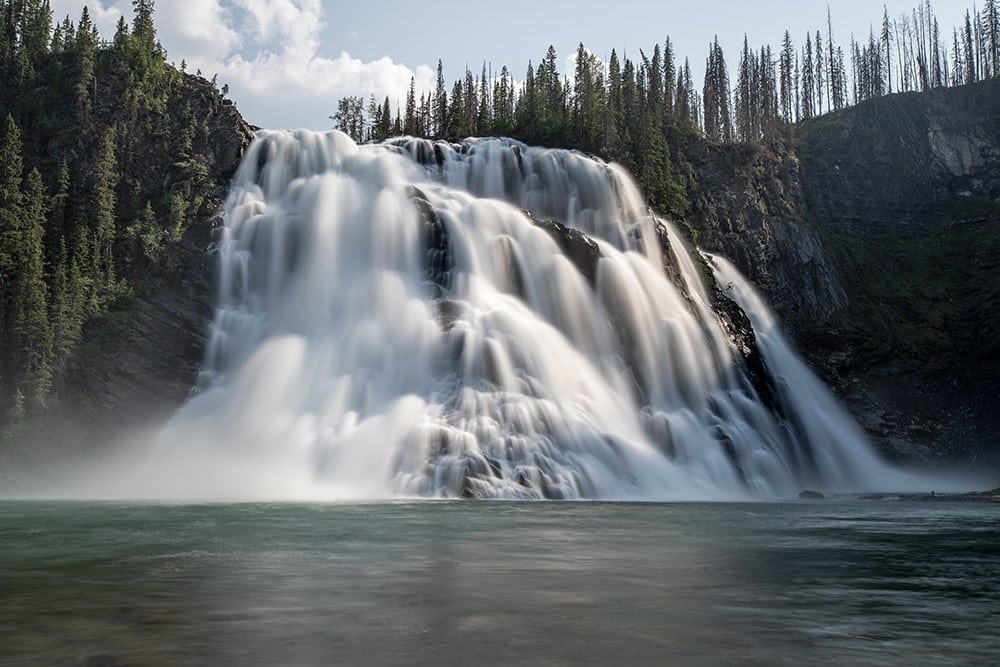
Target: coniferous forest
637 111
104 162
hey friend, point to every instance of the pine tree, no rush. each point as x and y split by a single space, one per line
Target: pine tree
745 93
11 238
832 82
612 146
656 88
24 327
385 127
969 47
410 120
958 69
785 64
886 37
84 48
440 104
470 103
669 74
35 34
715 95
818 55
483 119
57 225
142 25
808 80
103 180
31 325
65 314
991 17
457 125
503 103
588 100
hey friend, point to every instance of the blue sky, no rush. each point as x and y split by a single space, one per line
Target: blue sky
287 62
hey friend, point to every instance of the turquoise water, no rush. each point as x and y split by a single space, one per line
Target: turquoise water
461 583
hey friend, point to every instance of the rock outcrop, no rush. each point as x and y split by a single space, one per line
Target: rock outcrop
875 233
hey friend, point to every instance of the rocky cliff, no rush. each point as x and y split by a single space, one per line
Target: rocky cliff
137 362
875 232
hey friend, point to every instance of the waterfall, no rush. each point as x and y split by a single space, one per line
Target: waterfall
491 320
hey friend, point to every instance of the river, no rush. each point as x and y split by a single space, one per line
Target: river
840 582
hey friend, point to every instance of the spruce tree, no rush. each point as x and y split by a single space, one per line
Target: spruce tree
483 119
142 24
410 120
31 324
11 241
65 315
785 78
57 224
886 37
104 179
83 53
440 104
669 74
612 147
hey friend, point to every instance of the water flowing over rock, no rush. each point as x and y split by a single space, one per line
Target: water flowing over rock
491 320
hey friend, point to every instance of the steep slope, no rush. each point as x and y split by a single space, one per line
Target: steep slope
874 231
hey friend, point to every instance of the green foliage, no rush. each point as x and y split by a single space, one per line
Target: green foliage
105 161
31 324
149 236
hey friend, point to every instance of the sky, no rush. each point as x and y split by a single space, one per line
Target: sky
287 62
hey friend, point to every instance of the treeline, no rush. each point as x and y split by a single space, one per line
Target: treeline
632 111
628 111
82 222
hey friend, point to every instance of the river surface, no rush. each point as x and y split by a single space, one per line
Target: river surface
845 582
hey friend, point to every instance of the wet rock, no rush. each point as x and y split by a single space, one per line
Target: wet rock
577 246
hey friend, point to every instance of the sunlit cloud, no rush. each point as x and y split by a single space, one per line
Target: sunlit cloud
267 51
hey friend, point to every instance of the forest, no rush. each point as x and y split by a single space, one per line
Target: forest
102 167
636 112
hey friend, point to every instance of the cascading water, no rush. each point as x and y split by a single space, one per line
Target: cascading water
495 321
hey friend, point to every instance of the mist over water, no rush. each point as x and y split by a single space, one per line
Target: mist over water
485 320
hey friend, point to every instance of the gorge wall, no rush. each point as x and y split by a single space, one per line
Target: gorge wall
874 231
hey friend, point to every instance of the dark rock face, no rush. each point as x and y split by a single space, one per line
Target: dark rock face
875 234
907 193
740 331
908 162
579 248
746 203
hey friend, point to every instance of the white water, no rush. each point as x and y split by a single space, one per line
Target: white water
391 323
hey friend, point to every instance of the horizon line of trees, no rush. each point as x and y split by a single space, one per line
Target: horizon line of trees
606 105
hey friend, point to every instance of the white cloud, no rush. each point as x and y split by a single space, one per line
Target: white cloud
104 14
267 51
195 30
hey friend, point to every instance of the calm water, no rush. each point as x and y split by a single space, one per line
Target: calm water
463 583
